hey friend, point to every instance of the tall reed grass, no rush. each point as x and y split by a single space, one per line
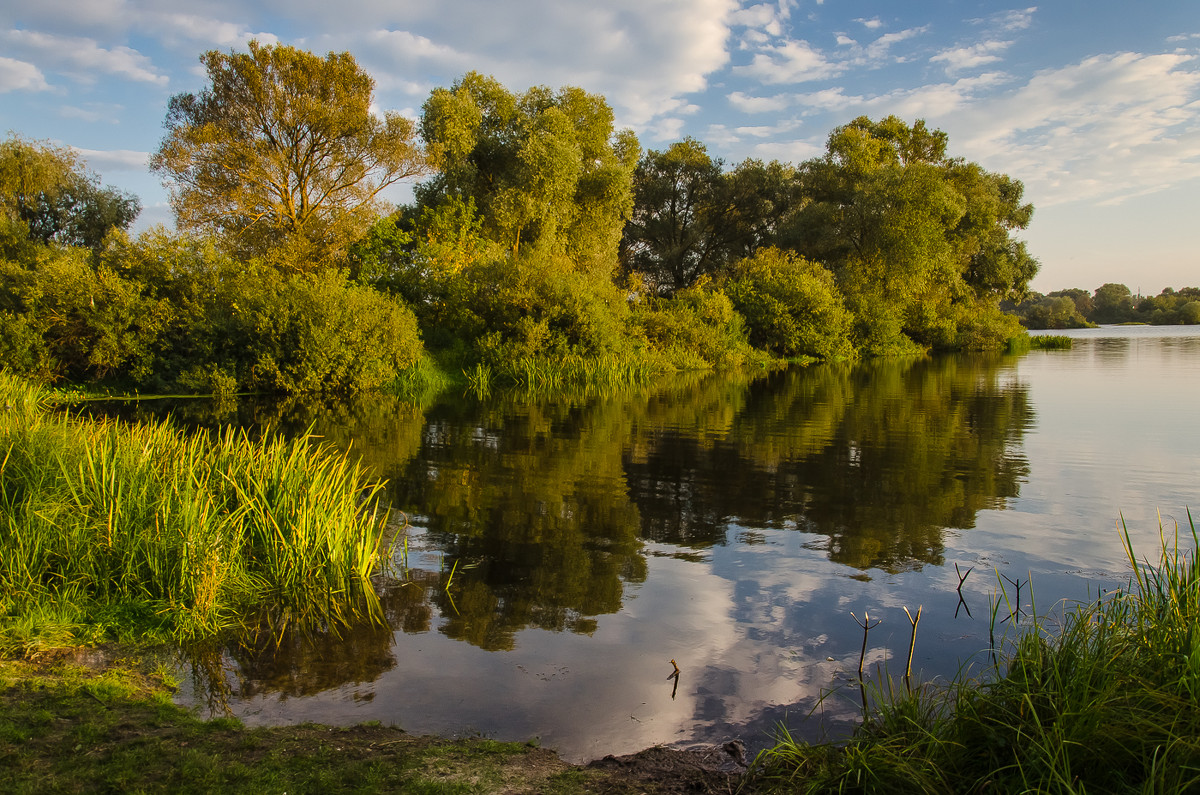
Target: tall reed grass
105 525
1107 699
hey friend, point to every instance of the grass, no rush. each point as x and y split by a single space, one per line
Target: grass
66 728
1050 342
1023 343
127 530
70 727
1107 699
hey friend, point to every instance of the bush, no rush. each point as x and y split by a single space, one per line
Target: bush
697 328
791 305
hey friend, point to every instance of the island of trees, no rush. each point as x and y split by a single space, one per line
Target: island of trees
540 239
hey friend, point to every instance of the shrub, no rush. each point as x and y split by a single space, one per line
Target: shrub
791 305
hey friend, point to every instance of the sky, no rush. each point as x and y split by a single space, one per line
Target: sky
1093 104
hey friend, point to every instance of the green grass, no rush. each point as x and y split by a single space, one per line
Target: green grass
1050 342
110 529
1107 699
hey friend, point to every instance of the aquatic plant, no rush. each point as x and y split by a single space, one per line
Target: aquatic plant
143 528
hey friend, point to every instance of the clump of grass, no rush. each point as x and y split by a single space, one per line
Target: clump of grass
1050 342
106 526
1106 700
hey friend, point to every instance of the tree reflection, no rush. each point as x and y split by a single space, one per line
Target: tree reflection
880 457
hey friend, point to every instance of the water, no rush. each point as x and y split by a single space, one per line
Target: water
740 526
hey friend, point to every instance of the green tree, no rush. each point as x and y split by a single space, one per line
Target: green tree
281 156
1113 303
914 238
544 169
48 189
670 238
692 219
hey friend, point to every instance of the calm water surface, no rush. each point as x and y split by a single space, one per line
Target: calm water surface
732 524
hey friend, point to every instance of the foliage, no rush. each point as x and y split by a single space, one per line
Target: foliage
545 169
163 312
692 219
281 157
914 237
697 328
70 318
47 189
791 306
1110 303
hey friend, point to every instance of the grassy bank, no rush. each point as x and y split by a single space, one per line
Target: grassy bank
1107 699
111 727
111 530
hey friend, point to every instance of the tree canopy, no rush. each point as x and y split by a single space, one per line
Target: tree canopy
281 157
47 188
545 169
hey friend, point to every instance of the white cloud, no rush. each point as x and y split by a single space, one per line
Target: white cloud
789 62
748 104
870 24
1106 129
20 76
1019 19
878 49
104 161
959 59
83 59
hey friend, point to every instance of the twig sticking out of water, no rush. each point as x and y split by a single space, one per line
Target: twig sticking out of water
962 602
867 626
912 644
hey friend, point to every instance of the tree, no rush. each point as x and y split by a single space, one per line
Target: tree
47 189
670 238
281 156
1113 303
545 169
914 238
693 219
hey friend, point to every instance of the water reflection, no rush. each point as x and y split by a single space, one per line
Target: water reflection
730 522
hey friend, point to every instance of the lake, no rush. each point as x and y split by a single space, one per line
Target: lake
555 555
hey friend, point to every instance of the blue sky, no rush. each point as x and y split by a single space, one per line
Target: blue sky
1094 105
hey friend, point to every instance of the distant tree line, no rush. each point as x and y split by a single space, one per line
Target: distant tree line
538 233
1110 303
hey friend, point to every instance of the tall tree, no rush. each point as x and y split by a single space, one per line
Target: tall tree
691 218
545 169
281 156
670 239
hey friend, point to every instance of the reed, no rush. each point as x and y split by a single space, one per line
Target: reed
1050 342
182 530
1106 698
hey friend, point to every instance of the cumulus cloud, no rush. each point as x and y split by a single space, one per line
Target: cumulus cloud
790 62
750 104
83 59
20 76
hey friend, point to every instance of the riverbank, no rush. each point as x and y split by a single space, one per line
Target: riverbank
93 720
